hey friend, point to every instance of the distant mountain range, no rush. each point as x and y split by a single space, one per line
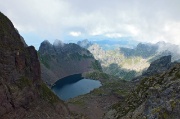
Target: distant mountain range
141 50
128 62
110 43
153 51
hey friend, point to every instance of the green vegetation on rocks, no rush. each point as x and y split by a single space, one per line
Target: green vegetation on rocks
47 94
97 75
97 66
45 59
149 92
24 82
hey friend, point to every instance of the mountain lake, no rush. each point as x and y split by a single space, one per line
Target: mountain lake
73 86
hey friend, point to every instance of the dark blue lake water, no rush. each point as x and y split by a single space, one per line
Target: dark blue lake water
74 85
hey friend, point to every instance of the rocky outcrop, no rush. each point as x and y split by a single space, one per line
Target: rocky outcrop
155 97
158 66
60 60
22 93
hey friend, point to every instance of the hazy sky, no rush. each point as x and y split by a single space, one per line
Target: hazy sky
143 20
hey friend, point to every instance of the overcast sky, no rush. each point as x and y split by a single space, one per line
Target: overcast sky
143 20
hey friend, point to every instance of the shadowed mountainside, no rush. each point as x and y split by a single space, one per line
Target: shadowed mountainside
22 92
60 60
158 66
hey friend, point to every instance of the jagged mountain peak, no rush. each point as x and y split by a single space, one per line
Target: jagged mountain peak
58 43
161 43
84 43
46 46
10 39
46 42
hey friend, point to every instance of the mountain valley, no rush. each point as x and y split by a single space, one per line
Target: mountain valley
128 63
137 81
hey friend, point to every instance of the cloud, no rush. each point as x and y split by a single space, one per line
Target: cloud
73 33
113 35
58 43
147 21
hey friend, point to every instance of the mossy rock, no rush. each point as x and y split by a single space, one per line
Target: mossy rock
47 94
78 102
24 82
177 74
45 59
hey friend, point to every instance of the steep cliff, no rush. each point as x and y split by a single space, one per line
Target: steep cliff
158 66
22 93
60 60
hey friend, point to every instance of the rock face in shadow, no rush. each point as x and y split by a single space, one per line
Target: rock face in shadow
22 93
158 66
59 60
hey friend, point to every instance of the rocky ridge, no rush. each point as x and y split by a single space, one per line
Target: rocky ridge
22 92
155 97
158 66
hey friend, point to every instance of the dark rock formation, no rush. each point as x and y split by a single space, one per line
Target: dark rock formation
22 93
60 60
158 66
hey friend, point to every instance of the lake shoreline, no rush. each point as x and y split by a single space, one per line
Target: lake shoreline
73 86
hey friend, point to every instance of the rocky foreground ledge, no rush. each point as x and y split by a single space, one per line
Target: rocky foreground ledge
23 95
